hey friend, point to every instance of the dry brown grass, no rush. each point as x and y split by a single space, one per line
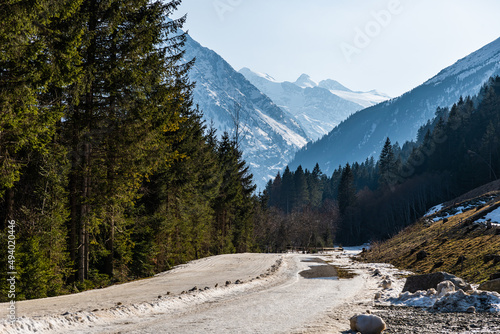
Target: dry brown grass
445 243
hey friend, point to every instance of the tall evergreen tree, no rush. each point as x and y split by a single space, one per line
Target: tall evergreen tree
315 184
287 191
37 60
116 125
233 206
387 165
301 193
347 191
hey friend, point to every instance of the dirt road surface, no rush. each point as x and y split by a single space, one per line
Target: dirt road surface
241 293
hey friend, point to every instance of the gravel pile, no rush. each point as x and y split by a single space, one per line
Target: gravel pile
406 320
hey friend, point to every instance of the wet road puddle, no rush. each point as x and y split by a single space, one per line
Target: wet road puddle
325 271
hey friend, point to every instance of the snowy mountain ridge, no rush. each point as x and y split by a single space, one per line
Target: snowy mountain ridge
487 56
317 107
363 134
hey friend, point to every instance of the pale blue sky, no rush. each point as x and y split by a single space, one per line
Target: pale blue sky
388 45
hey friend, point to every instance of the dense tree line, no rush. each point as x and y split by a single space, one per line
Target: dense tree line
105 165
455 152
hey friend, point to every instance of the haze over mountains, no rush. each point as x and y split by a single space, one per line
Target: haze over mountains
318 107
363 134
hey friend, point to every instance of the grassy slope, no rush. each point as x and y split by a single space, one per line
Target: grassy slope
445 242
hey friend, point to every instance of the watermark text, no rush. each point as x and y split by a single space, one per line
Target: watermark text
11 271
365 35
222 7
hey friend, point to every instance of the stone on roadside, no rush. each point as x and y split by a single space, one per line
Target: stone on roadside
445 287
493 285
367 324
431 281
471 309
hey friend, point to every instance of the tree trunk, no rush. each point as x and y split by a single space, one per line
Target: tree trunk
109 266
86 191
9 207
74 219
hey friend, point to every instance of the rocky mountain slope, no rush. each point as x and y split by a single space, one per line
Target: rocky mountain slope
269 136
363 134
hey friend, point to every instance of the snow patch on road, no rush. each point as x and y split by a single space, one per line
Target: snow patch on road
84 321
73 321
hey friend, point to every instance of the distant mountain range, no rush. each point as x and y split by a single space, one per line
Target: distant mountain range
274 119
317 107
363 134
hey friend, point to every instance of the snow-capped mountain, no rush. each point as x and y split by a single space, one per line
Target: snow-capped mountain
269 136
363 134
317 107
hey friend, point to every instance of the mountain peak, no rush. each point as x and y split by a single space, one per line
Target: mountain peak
305 81
376 92
333 85
248 72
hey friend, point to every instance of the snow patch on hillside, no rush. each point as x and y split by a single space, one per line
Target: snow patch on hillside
492 217
288 135
364 99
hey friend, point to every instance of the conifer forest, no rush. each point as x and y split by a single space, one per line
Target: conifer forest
109 173
105 165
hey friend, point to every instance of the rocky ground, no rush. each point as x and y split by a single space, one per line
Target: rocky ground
406 320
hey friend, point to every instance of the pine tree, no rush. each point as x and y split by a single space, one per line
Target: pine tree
316 187
301 194
287 191
175 226
234 203
274 191
37 61
387 165
117 125
347 191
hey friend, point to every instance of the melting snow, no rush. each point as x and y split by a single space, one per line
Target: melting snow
493 217
434 209
443 212
457 301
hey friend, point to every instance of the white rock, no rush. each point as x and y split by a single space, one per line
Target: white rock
367 324
444 287
431 292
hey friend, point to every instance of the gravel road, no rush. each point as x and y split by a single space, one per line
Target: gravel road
242 293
